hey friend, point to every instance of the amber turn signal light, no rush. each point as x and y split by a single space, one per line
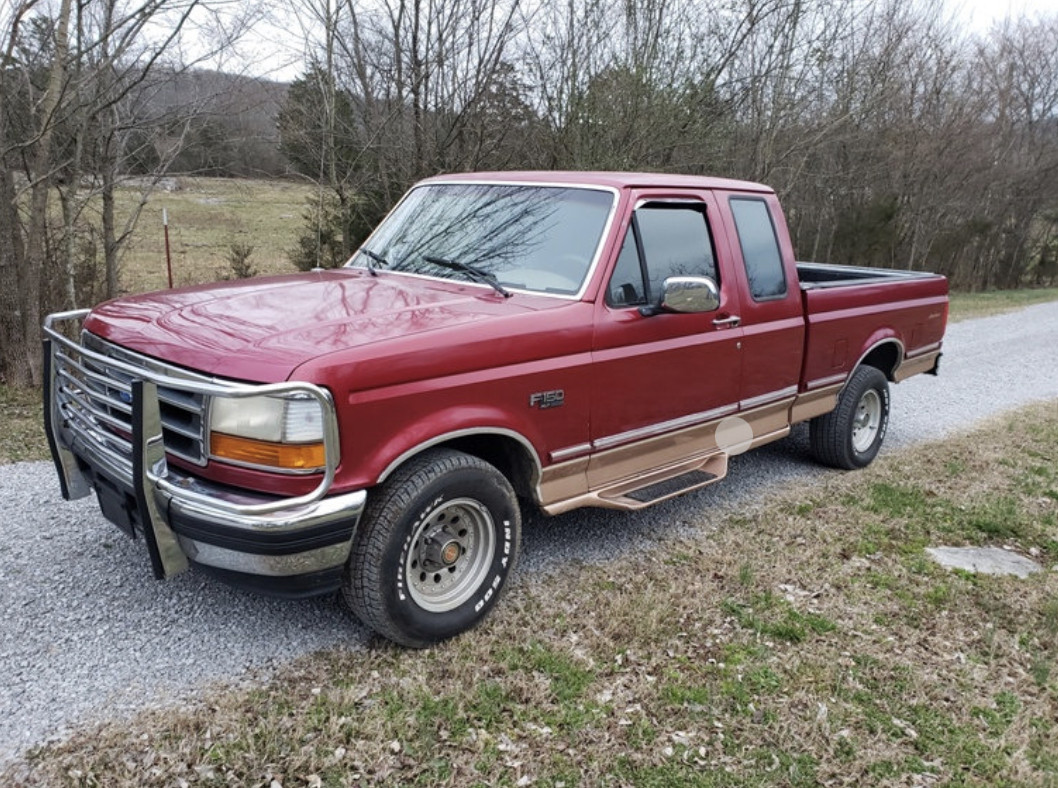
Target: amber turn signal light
287 456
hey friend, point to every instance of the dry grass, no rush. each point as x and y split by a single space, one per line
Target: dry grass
965 306
21 426
808 642
206 216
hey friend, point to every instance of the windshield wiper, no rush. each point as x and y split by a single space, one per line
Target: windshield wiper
372 258
472 271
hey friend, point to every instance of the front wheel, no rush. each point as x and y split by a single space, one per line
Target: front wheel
850 436
434 548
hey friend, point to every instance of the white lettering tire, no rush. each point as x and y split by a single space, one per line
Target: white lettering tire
850 436
434 548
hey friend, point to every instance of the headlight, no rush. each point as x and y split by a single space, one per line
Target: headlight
284 433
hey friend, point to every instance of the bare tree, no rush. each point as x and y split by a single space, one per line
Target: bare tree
396 90
73 81
893 136
24 254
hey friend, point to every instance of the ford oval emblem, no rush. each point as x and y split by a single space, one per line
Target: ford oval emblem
125 397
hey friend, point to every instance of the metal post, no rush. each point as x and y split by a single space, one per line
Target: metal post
168 257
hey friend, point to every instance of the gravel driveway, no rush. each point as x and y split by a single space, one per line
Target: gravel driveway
86 632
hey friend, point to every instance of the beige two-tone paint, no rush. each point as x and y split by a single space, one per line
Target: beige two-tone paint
630 461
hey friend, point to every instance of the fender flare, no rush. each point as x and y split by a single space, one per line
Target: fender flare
484 430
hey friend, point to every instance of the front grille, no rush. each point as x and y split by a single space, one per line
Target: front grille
95 401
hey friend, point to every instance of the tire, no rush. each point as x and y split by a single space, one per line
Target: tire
850 436
434 549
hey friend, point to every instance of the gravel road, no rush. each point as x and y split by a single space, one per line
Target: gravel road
86 633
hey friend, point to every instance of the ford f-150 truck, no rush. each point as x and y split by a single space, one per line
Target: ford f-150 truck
505 339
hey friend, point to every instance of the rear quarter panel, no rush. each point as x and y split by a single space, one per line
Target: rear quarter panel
845 323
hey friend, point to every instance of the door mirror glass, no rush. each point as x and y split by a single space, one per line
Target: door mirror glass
689 294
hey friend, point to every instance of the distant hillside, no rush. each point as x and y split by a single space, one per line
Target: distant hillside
227 121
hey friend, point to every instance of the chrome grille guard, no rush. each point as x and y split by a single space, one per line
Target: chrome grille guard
77 414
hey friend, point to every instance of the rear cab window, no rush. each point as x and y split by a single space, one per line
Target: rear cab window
760 248
664 239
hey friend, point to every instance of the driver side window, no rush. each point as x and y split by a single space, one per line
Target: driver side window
663 240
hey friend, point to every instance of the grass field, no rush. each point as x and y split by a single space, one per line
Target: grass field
207 215
969 305
805 641
21 426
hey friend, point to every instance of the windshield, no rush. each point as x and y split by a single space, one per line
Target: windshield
537 238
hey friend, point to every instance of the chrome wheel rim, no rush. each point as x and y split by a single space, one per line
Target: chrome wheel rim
866 421
450 555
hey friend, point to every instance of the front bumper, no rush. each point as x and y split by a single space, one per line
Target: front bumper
294 546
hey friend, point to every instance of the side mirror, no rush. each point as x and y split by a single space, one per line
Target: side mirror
686 294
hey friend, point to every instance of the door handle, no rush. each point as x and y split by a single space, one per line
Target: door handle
732 321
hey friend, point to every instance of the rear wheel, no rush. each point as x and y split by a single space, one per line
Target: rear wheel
434 548
851 435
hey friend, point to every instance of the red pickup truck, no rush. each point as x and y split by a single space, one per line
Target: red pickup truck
542 338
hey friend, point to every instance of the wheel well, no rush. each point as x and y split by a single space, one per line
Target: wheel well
884 357
507 455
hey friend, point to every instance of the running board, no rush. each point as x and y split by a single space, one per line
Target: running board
660 485
673 486
664 484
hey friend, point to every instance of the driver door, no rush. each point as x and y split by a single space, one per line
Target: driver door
657 379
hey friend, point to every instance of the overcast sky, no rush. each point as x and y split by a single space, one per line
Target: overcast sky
276 54
981 13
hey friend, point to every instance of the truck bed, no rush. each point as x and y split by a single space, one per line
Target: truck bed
852 311
819 275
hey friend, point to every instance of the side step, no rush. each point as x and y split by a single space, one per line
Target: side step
663 484
673 486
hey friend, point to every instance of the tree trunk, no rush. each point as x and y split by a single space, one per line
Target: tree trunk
12 253
110 245
29 279
13 362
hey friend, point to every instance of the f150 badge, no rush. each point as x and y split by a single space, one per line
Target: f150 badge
547 399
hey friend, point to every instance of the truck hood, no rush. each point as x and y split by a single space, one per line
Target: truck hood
260 330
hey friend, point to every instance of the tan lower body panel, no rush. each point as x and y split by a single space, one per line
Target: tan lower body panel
604 479
913 366
815 403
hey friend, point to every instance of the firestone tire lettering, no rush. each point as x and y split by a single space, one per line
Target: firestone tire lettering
393 535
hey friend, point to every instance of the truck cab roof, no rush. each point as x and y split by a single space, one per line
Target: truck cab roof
614 180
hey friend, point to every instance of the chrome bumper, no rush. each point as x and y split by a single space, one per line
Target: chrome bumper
183 517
